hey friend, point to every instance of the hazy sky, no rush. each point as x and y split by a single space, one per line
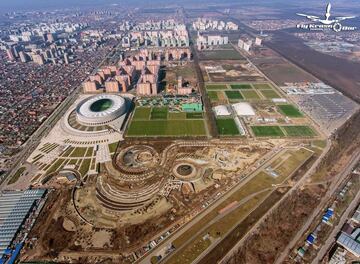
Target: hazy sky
13 5
35 4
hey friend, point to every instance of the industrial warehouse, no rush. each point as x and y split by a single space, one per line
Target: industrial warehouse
18 210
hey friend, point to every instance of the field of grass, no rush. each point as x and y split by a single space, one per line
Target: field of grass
216 87
67 152
319 143
17 175
73 161
240 86
192 252
112 147
167 128
187 254
213 95
84 168
250 94
227 127
299 131
194 115
262 86
234 95
142 113
55 166
89 152
289 166
159 113
270 94
230 54
78 152
267 131
176 116
290 110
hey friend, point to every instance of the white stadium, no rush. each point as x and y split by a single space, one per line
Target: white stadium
100 109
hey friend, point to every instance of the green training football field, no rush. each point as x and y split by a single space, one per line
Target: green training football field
262 86
240 86
213 95
216 87
234 95
267 131
227 127
142 113
290 110
251 94
270 94
159 113
299 131
167 128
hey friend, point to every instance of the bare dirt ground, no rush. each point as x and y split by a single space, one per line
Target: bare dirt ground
236 71
50 222
67 233
279 70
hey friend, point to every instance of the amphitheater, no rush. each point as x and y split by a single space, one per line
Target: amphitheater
146 179
120 199
138 159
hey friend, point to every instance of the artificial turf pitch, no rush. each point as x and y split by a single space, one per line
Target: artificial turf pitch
159 113
267 131
270 94
216 87
290 110
142 113
227 127
234 95
240 86
299 131
251 94
167 128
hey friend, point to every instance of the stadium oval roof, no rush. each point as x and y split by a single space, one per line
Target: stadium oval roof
100 109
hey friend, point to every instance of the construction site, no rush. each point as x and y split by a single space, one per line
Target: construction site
153 188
